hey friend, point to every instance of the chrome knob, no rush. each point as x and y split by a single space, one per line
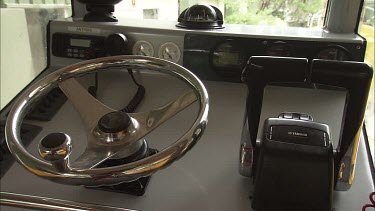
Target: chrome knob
56 148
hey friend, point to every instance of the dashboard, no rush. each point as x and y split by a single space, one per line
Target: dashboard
218 55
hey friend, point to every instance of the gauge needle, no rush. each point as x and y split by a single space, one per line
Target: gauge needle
142 51
167 52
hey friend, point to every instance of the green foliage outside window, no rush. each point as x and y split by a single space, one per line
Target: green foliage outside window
305 13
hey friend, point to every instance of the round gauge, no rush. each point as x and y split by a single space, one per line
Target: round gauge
170 51
227 56
143 48
333 53
279 48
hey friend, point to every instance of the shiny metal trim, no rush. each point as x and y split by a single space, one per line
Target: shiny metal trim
246 151
81 99
152 119
57 155
38 202
348 164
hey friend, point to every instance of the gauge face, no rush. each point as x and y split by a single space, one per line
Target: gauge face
333 53
228 56
143 48
170 51
279 49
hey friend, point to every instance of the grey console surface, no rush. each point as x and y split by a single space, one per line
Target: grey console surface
207 177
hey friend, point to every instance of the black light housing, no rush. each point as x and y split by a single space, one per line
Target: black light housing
100 10
201 16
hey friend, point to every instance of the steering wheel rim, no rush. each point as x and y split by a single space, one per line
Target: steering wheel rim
109 175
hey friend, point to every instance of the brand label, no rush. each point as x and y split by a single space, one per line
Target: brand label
84 30
297 134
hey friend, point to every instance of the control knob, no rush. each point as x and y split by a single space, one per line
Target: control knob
116 44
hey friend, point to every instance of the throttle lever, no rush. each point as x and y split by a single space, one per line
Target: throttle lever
356 78
259 72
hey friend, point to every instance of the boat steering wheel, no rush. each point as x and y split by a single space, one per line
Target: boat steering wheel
108 131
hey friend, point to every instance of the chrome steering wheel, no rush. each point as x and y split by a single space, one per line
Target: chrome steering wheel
103 144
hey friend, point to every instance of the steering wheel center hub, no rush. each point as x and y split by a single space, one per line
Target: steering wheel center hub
114 122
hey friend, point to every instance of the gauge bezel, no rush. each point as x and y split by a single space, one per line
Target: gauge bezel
289 48
163 46
138 43
347 52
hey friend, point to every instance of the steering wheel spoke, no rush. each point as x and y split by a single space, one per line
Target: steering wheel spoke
148 121
97 152
92 157
90 109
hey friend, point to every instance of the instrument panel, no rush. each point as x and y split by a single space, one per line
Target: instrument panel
211 55
223 58
71 45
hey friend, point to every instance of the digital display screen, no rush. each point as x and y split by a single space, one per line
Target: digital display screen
227 56
80 43
223 59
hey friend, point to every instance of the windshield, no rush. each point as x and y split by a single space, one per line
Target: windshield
305 13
